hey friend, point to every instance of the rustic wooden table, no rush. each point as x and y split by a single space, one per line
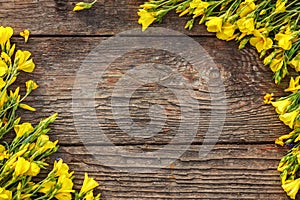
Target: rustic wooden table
241 166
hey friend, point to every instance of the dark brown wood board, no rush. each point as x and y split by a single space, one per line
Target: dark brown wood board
241 166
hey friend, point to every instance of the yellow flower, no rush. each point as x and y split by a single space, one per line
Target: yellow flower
25 34
47 186
66 185
280 6
269 58
5 34
292 188
23 63
284 40
33 170
22 166
295 62
260 41
23 128
82 6
294 85
199 7
226 32
88 184
280 140
246 25
277 63
289 118
5 194
214 24
31 85
281 105
268 98
3 68
146 18
246 7
2 83
61 168
26 107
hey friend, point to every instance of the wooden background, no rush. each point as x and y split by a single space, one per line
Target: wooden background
241 166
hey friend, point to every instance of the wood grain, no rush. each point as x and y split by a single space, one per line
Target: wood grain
55 17
248 120
228 172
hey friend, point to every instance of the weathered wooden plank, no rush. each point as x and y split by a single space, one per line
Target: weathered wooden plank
228 172
55 17
246 80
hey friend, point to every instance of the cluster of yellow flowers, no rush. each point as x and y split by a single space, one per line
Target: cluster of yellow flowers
272 27
23 157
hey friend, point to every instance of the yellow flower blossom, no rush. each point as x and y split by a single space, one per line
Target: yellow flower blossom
199 7
22 166
260 41
2 83
281 105
66 188
246 25
280 6
268 98
61 168
5 194
88 184
289 118
277 63
24 63
280 140
246 7
146 18
292 188
33 170
295 62
227 32
5 34
47 186
3 68
284 40
294 85
83 6
31 85
25 34
26 107
23 128
214 24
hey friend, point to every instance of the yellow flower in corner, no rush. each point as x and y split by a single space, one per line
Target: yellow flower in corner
5 34
83 6
260 41
280 6
246 25
227 32
22 166
24 63
281 105
88 184
284 40
199 7
295 62
289 118
214 24
146 18
25 34
246 7
5 194
268 98
277 63
64 192
294 85
292 188
23 128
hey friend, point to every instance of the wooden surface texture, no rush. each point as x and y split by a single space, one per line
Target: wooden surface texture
241 166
